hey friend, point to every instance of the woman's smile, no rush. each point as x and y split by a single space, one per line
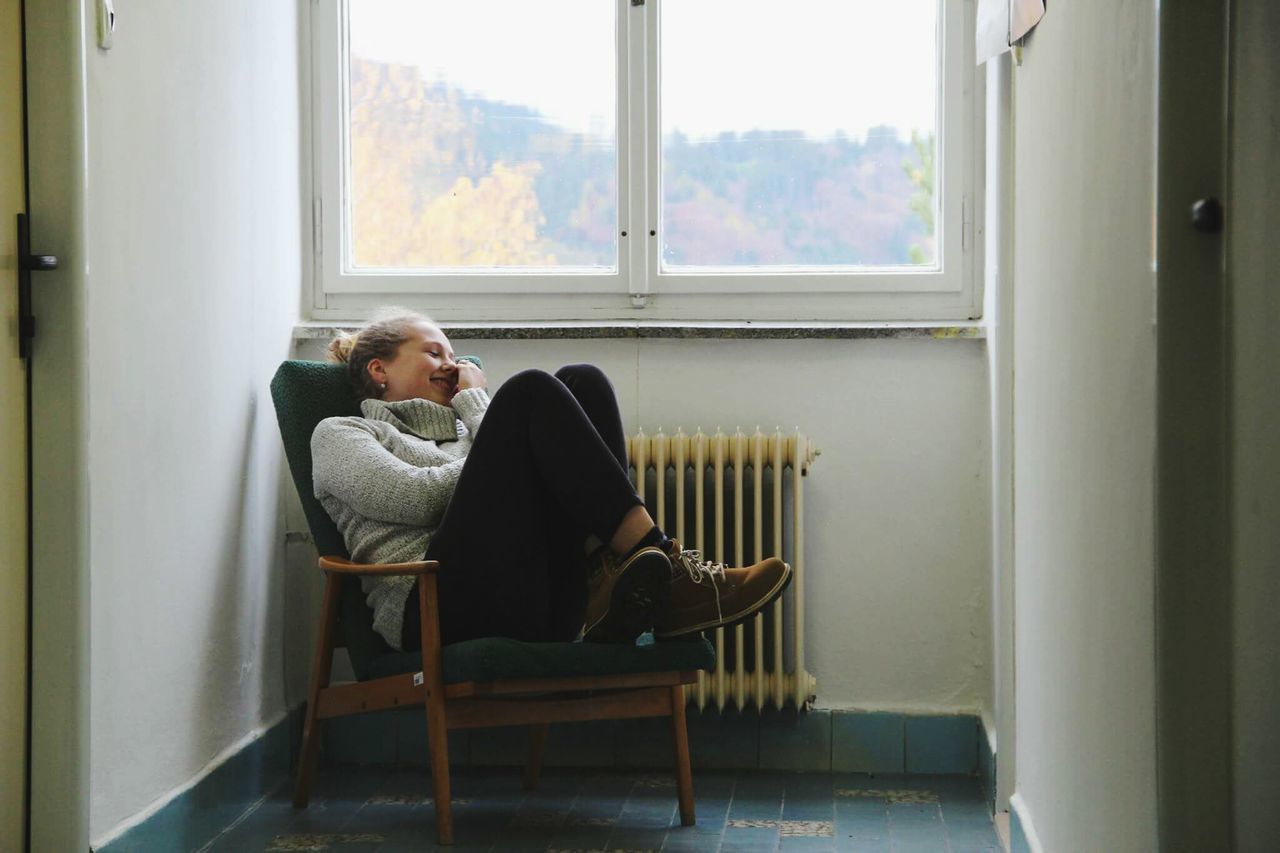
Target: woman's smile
424 367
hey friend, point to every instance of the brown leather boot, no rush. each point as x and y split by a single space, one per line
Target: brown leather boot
705 594
625 597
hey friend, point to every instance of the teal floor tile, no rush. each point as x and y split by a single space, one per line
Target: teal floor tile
683 841
585 744
389 810
973 834
868 742
360 740
915 813
714 786
917 827
858 845
727 740
942 745
795 741
501 746
643 743
737 837
757 798
417 846
817 845
411 740
645 818
808 797
865 821
922 846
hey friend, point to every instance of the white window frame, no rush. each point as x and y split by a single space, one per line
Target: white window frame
640 289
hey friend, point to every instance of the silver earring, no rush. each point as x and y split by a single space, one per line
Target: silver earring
382 386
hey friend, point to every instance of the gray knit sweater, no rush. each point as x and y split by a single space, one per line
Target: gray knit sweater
386 479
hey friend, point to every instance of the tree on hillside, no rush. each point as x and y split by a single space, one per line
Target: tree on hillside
921 176
442 177
493 222
423 193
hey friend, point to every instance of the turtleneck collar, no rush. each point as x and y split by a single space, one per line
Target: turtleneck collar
423 418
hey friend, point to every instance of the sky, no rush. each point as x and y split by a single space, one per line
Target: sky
819 66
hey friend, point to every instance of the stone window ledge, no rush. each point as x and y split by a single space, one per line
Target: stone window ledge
551 330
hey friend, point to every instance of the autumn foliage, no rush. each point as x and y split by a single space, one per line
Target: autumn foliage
442 179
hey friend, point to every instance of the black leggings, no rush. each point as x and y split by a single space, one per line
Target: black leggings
547 469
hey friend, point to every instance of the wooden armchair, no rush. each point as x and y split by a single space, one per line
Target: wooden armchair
478 683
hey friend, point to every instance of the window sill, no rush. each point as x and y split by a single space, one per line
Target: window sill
552 330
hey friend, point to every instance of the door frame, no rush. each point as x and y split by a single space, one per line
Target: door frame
999 315
15 825
55 39
1193 570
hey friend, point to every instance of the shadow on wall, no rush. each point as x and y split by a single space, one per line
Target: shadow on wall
249 595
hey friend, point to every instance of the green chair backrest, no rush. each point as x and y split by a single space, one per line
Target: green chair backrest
305 393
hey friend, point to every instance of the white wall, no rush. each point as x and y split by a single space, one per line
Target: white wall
194 247
898 544
999 716
1253 265
1084 427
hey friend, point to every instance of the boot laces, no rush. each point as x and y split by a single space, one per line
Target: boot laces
700 570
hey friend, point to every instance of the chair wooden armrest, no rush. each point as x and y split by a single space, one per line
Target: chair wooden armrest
343 566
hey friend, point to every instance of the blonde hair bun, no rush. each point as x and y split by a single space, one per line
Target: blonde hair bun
341 346
379 338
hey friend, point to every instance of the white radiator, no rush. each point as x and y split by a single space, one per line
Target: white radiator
762 660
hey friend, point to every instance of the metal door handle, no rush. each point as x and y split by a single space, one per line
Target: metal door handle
28 263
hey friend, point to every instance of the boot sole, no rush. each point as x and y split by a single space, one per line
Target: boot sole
737 618
638 596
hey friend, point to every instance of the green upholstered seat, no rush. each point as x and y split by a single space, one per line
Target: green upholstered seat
307 392
492 658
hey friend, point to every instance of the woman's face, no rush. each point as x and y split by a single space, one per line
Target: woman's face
423 367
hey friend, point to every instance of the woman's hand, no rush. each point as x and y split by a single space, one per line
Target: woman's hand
470 376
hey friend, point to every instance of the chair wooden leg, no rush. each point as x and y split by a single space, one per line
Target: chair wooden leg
438 740
437 727
321 668
684 776
537 745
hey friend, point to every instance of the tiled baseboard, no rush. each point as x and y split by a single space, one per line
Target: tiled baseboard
987 768
819 740
192 818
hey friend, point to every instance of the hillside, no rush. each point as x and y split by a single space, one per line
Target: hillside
440 178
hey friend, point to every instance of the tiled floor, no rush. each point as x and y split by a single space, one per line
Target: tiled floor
386 810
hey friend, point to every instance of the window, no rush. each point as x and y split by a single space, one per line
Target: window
669 160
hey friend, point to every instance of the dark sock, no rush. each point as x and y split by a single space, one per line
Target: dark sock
655 538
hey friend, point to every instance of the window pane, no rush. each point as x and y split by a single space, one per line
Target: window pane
482 134
801 133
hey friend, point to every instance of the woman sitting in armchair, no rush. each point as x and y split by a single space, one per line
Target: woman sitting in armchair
525 502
